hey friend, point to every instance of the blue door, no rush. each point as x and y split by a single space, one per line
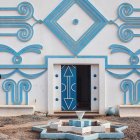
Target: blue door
68 88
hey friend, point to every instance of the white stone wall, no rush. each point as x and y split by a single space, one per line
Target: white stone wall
52 46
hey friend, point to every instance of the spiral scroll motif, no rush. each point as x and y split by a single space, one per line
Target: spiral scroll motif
9 85
17 91
133 90
25 12
124 11
125 34
25 33
25 9
25 85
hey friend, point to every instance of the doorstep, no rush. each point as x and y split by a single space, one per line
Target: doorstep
72 114
129 110
16 110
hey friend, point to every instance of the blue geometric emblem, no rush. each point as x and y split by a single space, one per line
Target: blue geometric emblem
75 46
68 88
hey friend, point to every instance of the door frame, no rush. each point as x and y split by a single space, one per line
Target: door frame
52 61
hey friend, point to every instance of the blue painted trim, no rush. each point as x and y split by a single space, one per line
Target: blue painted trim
125 32
121 76
107 66
51 56
16 90
123 67
125 10
102 57
25 12
133 90
28 76
24 9
17 59
24 33
23 66
125 13
24 85
116 135
115 48
133 60
75 46
80 123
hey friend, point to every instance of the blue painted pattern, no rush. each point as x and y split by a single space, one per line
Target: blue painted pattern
25 75
17 91
17 59
68 88
24 9
24 33
75 46
131 90
133 60
25 12
126 34
125 13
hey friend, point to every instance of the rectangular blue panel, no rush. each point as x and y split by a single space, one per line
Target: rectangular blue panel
68 88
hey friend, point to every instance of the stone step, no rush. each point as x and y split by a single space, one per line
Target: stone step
129 110
16 110
69 114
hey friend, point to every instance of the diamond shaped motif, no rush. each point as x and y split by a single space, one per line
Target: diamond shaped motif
74 40
75 22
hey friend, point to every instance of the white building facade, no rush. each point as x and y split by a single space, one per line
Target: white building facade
69 55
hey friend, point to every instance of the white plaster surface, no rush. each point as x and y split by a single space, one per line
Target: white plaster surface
95 93
16 110
40 95
129 110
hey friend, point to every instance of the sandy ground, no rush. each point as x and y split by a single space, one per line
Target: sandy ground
19 128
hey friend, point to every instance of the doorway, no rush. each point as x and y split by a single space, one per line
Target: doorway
54 94
83 87
75 87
